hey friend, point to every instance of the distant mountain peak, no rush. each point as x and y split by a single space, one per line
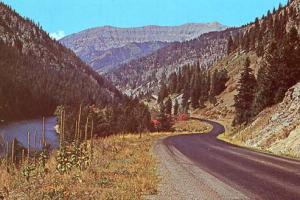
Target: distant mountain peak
107 46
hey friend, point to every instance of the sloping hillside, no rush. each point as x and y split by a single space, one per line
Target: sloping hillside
38 73
275 127
143 75
101 47
105 60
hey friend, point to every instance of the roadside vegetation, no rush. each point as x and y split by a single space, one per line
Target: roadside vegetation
192 126
120 167
87 166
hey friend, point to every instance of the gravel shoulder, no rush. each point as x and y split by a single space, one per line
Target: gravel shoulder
182 179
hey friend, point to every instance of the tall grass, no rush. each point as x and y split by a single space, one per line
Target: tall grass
115 167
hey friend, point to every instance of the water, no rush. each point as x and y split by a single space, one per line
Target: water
19 131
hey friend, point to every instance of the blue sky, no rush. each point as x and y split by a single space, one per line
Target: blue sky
63 17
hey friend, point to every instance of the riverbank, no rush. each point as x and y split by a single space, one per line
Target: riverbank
19 130
123 167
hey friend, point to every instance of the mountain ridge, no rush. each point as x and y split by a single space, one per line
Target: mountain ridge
41 72
208 48
95 43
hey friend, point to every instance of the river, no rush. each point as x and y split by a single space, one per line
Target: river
19 131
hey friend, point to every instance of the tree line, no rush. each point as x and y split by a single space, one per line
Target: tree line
42 77
127 116
275 39
196 84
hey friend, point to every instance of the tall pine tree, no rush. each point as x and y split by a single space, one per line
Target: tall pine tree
168 106
246 93
176 107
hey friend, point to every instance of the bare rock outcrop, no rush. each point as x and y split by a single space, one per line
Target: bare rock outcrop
277 129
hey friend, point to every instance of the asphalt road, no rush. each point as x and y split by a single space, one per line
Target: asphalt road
255 175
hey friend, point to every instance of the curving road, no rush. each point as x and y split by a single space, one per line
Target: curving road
241 173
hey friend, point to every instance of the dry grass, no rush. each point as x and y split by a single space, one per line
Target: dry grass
123 168
193 126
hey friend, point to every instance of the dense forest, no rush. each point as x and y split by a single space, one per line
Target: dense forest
197 84
275 38
143 74
38 76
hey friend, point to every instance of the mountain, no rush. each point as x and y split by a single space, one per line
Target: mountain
37 73
115 56
272 45
100 47
143 75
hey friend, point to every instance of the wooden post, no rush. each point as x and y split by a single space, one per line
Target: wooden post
28 146
61 131
43 134
13 151
79 121
7 154
76 134
80 135
91 150
35 138
41 143
92 130
86 130
64 122
23 156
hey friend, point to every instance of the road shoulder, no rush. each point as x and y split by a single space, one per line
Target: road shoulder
181 178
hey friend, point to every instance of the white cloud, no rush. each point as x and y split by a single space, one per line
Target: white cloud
58 35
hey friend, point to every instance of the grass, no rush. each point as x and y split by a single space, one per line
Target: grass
123 167
230 139
192 126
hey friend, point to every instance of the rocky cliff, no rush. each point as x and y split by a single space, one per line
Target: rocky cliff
101 47
277 129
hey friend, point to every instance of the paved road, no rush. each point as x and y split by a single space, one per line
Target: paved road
255 175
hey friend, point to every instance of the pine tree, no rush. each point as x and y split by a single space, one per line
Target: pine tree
165 121
176 107
213 85
218 82
168 106
179 82
173 83
186 97
246 93
163 92
195 90
289 62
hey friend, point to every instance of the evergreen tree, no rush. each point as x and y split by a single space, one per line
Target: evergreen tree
179 86
246 93
168 106
186 97
165 121
173 83
195 90
163 92
176 107
218 82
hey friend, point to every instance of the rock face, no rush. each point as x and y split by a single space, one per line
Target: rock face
101 47
277 129
142 76
103 61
